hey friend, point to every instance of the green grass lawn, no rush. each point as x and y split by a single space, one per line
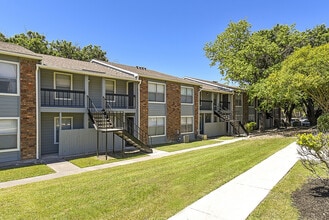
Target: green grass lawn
183 146
94 160
155 189
23 172
278 204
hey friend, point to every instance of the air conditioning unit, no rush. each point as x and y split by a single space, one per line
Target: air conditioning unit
186 138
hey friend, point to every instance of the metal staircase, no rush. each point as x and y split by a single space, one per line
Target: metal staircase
105 120
225 115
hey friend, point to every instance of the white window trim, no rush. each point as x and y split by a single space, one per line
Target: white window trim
165 125
189 116
18 135
17 80
165 92
71 84
185 103
114 87
60 126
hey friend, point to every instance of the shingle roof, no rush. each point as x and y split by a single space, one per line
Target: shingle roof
148 73
64 64
213 85
16 50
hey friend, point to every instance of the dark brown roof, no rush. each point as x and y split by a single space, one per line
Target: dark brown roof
16 50
148 73
64 64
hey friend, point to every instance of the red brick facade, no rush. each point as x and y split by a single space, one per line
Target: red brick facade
144 106
173 100
28 108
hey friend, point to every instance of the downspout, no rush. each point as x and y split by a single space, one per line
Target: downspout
138 102
37 111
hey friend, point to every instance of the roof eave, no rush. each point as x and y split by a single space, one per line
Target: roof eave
15 54
105 75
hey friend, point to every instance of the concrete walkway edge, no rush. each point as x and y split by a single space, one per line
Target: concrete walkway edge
239 197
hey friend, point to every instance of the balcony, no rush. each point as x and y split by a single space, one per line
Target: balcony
120 101
205 105
208 105
62 98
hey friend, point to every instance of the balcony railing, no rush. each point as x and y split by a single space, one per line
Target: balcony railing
120 101
205 105
62 98
208 105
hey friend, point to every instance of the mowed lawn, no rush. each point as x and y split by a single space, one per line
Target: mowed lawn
155 189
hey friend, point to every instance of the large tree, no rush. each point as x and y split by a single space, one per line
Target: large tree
38 43
309 71
248 58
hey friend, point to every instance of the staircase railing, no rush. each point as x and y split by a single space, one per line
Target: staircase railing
133 129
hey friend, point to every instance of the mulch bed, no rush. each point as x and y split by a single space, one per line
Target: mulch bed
312 200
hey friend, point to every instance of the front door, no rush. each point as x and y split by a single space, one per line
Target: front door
130 125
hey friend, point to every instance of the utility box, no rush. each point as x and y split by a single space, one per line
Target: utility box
186 138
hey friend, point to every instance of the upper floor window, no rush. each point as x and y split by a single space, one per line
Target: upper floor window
63 81
9 78
156 92
186 95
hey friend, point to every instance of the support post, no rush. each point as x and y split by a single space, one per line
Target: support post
122 147
105 145
113 142
97 149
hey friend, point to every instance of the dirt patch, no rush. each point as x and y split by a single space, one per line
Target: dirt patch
312 200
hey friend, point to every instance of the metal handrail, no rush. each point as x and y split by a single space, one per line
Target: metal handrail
138 132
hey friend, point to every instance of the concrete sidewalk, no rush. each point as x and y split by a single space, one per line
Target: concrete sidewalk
239 197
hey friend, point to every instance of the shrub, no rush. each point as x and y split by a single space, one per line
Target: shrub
250 126
314 152
323 123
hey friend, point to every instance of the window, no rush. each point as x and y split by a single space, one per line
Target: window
186 95
186 125
67 123
63 82
9 137
9 82
156 126
110 89
156 92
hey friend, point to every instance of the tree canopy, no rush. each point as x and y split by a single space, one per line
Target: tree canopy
38 43
265 63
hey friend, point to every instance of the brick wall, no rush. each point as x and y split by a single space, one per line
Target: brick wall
144 106
28 108
173 99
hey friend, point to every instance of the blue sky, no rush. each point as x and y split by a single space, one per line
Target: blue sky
167 36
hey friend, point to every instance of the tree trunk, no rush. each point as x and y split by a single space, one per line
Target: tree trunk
288 110
311 113
262 121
